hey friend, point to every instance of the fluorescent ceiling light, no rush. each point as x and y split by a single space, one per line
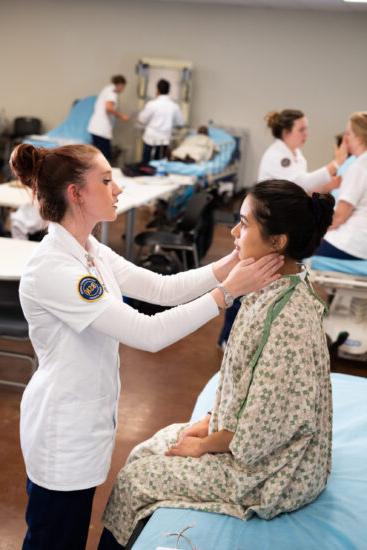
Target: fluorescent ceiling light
357 1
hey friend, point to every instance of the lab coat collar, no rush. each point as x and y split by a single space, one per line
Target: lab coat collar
69 243
282 146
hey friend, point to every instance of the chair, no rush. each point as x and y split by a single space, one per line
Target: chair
26 126
193 232
13 326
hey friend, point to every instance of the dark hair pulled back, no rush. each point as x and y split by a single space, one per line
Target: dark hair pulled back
282 207
283 120
48 172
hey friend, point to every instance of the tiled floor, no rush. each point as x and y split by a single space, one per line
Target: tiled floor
157 389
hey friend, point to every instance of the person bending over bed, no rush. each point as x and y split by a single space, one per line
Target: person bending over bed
196 148
266 447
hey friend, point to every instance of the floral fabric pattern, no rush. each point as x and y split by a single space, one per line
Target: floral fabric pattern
281 416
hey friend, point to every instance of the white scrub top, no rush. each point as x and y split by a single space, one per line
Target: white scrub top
279 162
351 236
68 410
159 116
101 123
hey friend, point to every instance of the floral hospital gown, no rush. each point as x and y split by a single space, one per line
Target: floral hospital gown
274 393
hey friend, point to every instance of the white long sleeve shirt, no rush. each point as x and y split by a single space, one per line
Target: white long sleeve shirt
279 162
159 117
76 320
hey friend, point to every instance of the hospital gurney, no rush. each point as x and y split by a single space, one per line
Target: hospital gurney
336 520
228 164
346 283
72 130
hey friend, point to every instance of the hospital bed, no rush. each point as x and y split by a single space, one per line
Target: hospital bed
346 283
228 164
72 130
336 520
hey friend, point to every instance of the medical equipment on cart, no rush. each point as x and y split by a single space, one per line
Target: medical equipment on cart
346 283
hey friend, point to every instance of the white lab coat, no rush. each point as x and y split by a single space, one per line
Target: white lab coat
279 162
101 122
69 408
159 116
351 236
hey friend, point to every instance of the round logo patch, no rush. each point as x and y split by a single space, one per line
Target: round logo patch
285 162
90 288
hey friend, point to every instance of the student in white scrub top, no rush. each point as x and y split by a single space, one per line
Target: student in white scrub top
159 116
284 159
347 236
71 295
105 114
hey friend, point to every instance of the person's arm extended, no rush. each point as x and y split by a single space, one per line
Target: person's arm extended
217 442
111 109
343 211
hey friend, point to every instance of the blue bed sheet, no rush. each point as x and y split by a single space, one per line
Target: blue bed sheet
72 130
337 520
227 145
353 267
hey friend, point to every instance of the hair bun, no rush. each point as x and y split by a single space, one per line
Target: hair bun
25 163
272 118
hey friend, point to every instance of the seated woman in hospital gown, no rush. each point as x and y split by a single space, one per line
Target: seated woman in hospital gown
266 446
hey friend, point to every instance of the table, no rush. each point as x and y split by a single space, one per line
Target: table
14 254
136 192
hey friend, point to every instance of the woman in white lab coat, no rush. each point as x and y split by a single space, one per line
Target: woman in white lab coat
284 159
71 293
347 236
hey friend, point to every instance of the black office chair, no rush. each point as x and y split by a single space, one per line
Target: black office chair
13 326
193 232
26 126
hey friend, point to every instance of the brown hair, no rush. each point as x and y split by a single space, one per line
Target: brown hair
118 79
283 120
48 172
358 122
282 207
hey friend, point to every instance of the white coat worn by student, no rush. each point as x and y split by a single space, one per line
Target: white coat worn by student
284 160
71 294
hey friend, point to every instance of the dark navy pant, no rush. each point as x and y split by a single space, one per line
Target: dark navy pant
330 251
57 520
103 144
153 152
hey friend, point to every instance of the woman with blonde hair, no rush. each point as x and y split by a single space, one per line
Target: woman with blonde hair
347 236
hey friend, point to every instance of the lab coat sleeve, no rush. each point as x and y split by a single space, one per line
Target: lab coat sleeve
271 168
311 180
353 187
168 290
59 292
145 115
152 333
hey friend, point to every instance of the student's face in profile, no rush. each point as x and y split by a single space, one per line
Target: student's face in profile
99 195
297 136
354 143
247 234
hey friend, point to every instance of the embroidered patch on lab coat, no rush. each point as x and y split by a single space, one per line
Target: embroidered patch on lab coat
285 162
90 288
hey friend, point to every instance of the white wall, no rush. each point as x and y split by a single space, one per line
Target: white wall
247 61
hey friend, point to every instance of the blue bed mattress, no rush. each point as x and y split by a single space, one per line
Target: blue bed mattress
337 520
72 130
353 267
227 145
